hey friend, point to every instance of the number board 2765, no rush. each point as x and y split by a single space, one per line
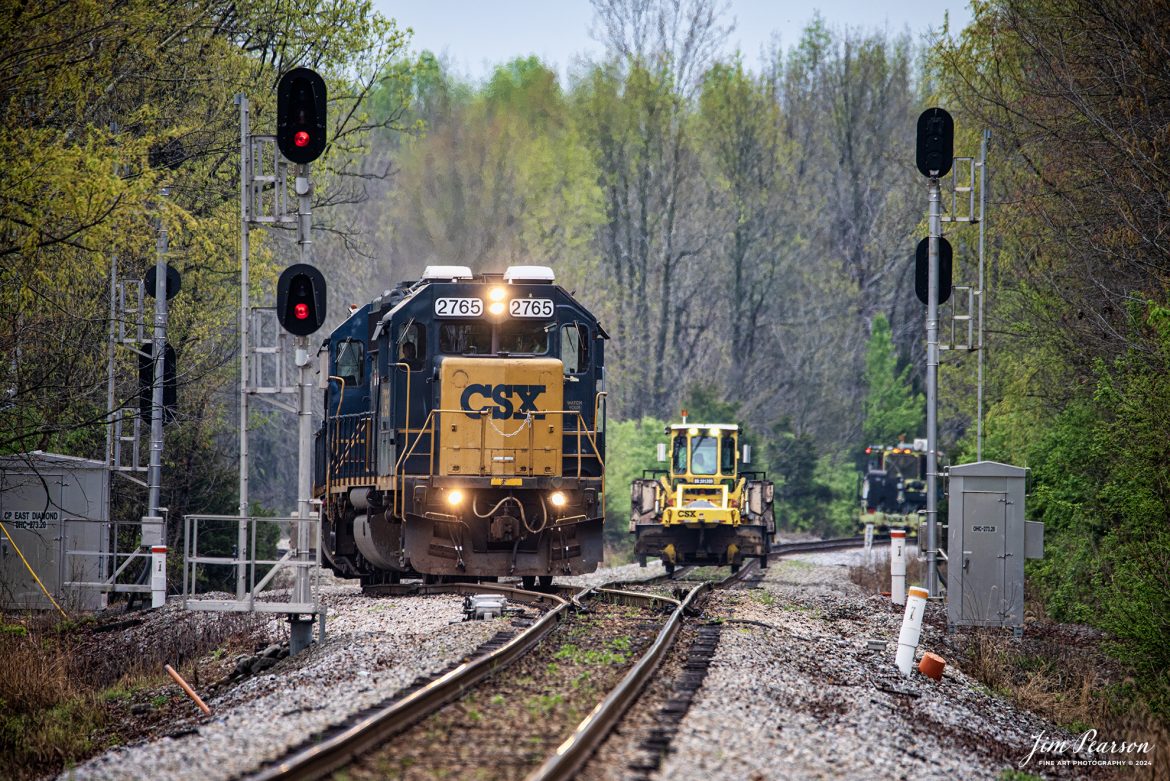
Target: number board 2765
458 307
539 308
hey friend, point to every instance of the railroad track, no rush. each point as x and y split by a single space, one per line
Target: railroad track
366 736
324 755
375 729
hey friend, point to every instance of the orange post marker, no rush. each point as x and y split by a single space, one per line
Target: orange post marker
932 665
189 691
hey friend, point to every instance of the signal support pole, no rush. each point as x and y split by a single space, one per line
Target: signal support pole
153 532
934 155
245 217
935 230
301 634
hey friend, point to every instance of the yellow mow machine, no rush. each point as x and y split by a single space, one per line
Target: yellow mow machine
704 509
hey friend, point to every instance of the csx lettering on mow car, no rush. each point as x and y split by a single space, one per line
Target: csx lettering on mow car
464 431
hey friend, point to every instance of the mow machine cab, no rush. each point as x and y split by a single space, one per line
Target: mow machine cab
704 509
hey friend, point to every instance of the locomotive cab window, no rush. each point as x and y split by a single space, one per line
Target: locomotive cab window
412 346
351 361
727 465
575 348
704 455
679 456
522 337
474 338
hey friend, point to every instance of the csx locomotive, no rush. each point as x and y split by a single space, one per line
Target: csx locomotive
464 431
704 509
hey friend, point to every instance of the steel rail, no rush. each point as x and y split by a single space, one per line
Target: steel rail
341 749
572 754
830 544
750 566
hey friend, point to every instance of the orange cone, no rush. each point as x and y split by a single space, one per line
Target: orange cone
932 665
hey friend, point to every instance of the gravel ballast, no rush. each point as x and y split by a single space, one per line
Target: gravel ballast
794 692
374 648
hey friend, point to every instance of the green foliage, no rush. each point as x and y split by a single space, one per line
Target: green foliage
631 446
120 119
1101 485
500 175
892 409
814 492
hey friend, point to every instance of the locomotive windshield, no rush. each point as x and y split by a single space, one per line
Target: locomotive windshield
351 356
524 338
472 338
515 337
704 455
728 465
903 464
680 453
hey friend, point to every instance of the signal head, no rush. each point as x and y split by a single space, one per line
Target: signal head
300 115
936 142
300 299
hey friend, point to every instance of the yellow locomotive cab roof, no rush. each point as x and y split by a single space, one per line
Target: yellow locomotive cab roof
704 426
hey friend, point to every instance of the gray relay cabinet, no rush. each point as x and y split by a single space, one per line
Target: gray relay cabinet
55 509
987 543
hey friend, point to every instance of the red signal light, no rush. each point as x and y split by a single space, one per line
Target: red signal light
301 138
301 311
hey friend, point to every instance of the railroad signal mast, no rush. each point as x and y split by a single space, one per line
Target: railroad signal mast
934 154
299 140
300 300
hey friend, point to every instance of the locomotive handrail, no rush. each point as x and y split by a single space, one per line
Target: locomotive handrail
400 477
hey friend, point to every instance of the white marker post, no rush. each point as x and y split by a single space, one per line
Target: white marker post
911 629
158 577
868 540
898 566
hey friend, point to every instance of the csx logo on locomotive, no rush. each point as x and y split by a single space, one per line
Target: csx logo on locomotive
502 396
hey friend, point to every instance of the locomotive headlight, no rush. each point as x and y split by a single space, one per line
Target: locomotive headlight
496 307
454 497
497 294
694 432
713 432
558 499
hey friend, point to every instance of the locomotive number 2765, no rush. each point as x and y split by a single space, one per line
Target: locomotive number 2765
458 307
531 307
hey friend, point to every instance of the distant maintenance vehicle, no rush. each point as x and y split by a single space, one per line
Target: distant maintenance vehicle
705 509
893 484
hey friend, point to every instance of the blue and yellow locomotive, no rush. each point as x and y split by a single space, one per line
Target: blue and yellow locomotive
464 431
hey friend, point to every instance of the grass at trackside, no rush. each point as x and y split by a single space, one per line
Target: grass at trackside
66 691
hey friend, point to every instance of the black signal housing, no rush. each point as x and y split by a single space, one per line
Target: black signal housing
935 149
922 268
300 299
300 115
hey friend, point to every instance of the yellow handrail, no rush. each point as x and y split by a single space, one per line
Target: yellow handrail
430 423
